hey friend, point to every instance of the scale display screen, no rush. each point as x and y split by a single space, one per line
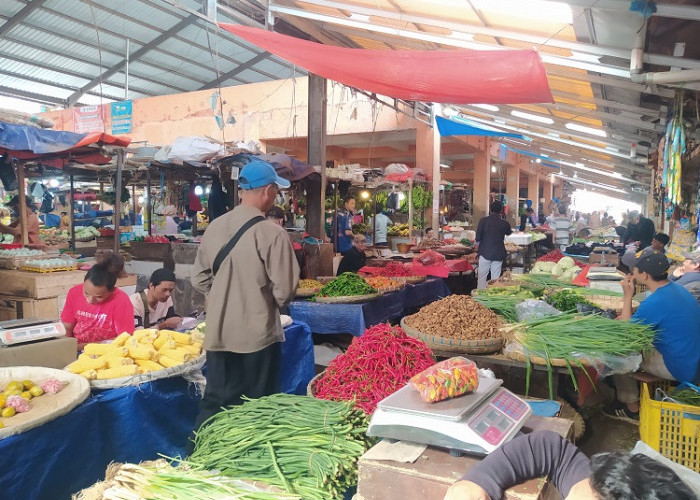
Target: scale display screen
494 422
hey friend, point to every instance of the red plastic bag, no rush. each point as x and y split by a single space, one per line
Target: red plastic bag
431 258
446 379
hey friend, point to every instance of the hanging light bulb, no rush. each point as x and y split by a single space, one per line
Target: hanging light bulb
198 190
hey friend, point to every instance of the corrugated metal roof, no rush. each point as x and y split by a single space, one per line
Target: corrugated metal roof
60 48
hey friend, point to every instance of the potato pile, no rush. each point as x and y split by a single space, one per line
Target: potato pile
145 351
456 317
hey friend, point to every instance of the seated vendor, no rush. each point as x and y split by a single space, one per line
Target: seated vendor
545 453
689 271
354 259
32 221
153 307
97 310
675 315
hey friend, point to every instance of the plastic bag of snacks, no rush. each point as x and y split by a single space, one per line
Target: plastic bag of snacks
446 379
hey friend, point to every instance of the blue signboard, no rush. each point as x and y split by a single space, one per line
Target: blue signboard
121 117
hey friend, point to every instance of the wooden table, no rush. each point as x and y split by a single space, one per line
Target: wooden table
435 470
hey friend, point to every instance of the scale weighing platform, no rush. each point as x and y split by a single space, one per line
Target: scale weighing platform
476 423
18 331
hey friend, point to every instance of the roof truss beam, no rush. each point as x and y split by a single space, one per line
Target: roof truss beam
675 11
73 98
20 16
230 74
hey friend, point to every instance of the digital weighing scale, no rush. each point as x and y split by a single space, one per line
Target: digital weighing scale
476 423
17 331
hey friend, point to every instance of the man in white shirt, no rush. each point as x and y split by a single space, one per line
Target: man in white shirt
562 229
380 233
153 307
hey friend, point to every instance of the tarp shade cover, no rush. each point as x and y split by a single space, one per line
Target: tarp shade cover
444 76
27 143
448 127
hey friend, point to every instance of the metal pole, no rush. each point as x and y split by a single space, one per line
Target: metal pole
374 221
410 209
149 212
118 199
71 212
22 203
133 199
335 221
126 72
102 191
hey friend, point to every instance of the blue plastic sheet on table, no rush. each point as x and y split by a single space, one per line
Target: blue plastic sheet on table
356 318
298 367
546 408
59 458
128 424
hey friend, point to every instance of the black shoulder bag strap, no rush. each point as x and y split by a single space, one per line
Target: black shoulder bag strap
223 253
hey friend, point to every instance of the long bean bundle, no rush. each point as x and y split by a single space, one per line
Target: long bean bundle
165 482
347 284
303 445
570 336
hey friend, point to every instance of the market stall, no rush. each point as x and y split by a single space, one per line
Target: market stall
355 318
130 424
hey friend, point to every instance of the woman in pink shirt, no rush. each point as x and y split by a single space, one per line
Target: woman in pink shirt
97 310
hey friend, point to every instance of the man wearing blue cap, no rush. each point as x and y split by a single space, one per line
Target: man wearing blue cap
246 266
675 316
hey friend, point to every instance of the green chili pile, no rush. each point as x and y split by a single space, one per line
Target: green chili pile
571 336
345 285
303 445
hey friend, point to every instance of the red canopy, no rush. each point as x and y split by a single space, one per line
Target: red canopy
446 76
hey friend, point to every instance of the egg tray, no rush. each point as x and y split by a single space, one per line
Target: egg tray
52 270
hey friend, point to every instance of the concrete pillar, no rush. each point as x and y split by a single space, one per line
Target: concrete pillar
557 189
316 184
482 183
547 195
533 188
428 158
512 190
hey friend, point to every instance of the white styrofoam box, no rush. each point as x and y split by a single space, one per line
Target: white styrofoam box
611 286
517 270
519 239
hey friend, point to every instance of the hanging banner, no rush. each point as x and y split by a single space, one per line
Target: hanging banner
445 76
88 119
121 117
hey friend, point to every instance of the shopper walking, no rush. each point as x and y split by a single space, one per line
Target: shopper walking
246 266
490 234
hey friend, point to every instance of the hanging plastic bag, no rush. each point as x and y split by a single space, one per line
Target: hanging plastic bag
530 309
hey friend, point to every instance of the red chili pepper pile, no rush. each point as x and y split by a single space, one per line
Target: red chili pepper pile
156 239
375 365
393 269
553 256
556 256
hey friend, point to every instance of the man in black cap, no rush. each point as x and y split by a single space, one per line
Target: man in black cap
675 315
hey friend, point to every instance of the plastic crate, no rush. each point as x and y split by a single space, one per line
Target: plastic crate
671 429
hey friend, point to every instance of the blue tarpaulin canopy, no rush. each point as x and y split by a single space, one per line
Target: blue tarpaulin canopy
462 126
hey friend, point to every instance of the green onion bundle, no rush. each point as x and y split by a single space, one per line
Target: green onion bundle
568 336
503 305
303 445
347 284
133 482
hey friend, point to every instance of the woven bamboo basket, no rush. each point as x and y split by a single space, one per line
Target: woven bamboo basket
303 293
457 346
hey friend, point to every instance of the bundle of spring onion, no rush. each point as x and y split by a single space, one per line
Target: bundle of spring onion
303 445
164 482
503 305
569 336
